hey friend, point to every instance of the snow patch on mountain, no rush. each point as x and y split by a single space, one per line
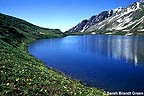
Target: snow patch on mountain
122 19
117 10
116 19
139 21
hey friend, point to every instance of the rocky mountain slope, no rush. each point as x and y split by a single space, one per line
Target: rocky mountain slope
124 19
85 24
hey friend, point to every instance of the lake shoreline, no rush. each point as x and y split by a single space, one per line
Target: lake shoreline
59 72
51 47
32 74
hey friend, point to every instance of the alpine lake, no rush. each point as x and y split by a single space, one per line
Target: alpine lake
109 62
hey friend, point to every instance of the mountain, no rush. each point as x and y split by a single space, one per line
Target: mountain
85 24
19 24
14 30
122 19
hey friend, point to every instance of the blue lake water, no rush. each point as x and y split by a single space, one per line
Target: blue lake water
112 63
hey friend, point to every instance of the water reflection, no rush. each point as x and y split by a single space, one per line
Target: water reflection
100 61
130 49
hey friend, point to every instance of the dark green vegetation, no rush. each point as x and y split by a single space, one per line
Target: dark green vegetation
22 74
77 33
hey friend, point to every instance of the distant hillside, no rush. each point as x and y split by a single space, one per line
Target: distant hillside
23 75
12 28
25 26
126 19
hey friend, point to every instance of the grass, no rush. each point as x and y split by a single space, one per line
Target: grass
23 75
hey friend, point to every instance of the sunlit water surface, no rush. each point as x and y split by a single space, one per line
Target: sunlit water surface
113 63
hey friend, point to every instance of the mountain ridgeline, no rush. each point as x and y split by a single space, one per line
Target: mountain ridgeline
130 18
14 30
9 24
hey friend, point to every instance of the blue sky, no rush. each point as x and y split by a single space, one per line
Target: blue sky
62 14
